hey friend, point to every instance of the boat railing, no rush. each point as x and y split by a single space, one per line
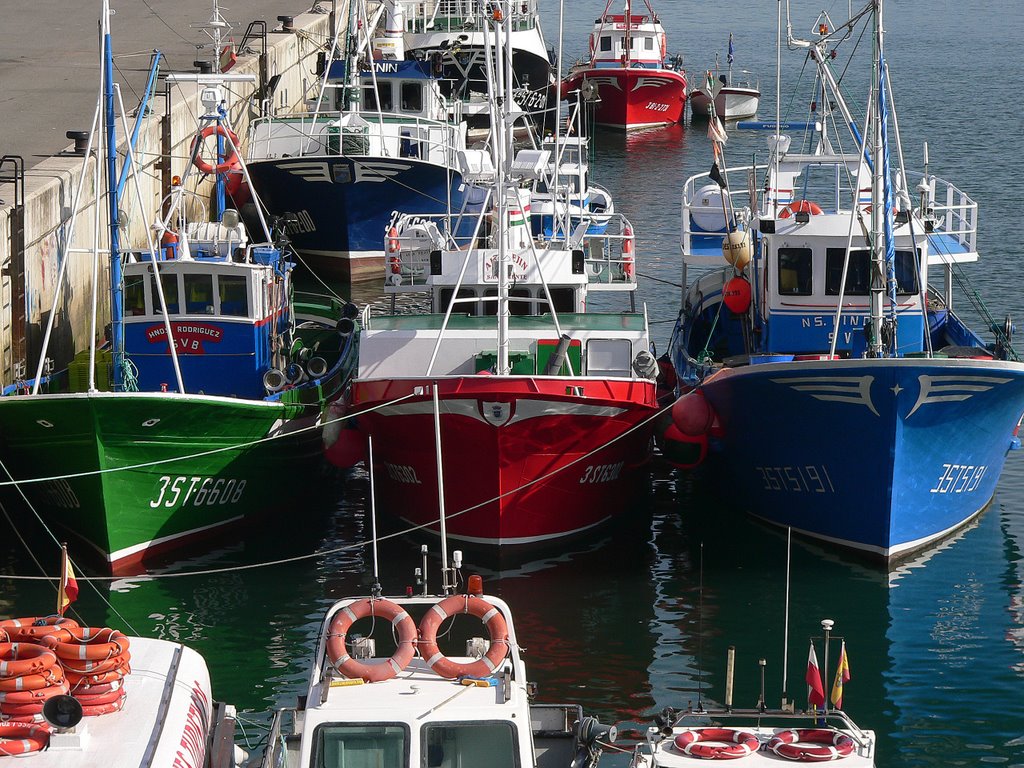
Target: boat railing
379 134
609 248
951 212
706 210
284 741
835 718
463 16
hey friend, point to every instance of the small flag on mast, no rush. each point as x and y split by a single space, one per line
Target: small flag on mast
842 677
815 689
68 592
730 57
716 131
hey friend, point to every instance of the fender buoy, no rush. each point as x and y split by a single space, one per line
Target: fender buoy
17 659
475 606
89 644
800 206
22 738
628 265
716 743
371 673
793 744
230 160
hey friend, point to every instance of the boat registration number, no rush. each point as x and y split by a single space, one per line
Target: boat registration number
654 106
601 473
807 479
201 491
959 478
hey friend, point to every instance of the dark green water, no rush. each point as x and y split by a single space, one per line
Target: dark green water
622 623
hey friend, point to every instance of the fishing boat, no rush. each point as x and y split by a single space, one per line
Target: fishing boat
210 388
732 98
380 137
452 36
761 736
542 404
74 696
425 689
830 340
638 86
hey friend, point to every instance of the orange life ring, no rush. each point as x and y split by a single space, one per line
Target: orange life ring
17 659
44 679
716 743
22 738
230 160
96 667
76 679
792 744
29 630
394 246
371 673
475 606
34 697
100 698
94 710
628 266
800 206
89 643
22 713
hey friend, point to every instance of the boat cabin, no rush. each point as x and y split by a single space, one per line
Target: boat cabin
226 305
418 717
401 112
640 43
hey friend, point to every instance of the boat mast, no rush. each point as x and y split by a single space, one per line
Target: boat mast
500 97
116 278
883 248
627 42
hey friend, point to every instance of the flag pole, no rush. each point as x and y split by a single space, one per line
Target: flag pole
826 625
62 587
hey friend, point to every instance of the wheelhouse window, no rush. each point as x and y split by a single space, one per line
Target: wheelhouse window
795 271
198 294
445 297
169 283
858 274
649 43
379 98
519 305
234 295
412 97
606 43
135 295
459 745
360 746
906 272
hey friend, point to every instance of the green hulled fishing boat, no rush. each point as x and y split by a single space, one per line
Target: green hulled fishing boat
142 446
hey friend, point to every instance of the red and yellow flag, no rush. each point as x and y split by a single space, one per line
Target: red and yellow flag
68 592
842 676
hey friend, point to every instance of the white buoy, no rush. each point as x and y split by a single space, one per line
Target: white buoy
736 249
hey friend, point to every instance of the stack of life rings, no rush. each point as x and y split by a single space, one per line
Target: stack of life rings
811 744
716 743
412 638
45 657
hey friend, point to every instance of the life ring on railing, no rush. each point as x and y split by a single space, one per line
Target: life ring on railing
726 743
22 738
475 606
17 659
800 206
371 673
89 644
628 265
792 744
230 160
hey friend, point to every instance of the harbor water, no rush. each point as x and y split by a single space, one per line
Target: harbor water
640 617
